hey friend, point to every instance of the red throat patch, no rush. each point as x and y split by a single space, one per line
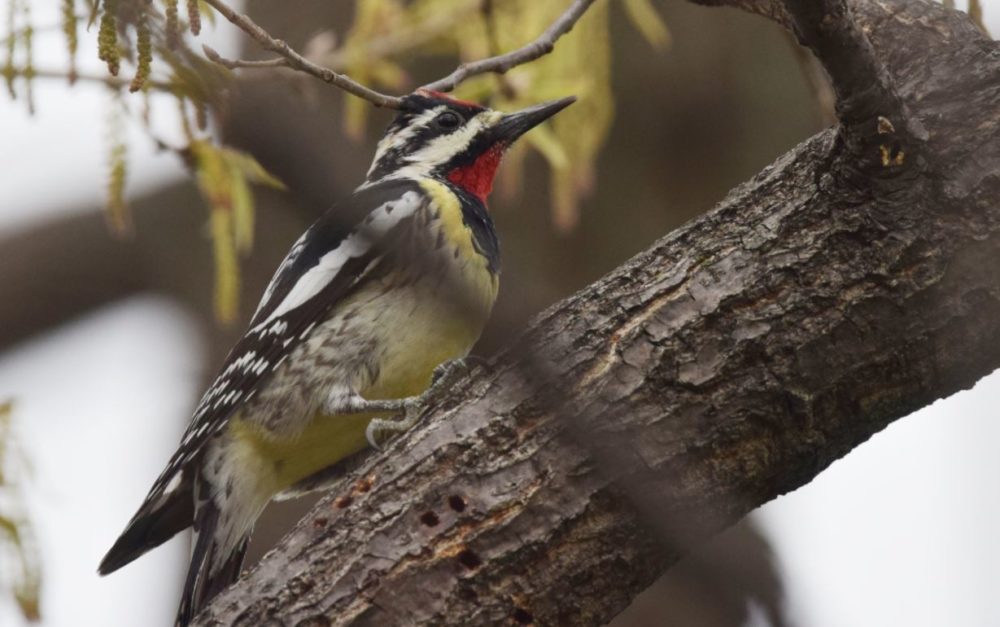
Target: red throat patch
477 177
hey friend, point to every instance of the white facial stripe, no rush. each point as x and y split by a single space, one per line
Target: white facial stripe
401 136
442 148
383 218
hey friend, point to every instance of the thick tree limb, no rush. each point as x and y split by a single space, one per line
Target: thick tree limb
728 364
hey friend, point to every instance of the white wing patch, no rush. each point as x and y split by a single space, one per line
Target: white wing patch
293 254
312 282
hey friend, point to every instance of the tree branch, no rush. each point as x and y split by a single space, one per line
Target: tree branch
503 63
728 364
871 113
296 61
287 57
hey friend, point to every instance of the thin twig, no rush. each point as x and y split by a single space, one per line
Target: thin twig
287 57
233 64
298 62
105 79
525 54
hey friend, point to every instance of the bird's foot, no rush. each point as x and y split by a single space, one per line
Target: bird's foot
410 409
379 430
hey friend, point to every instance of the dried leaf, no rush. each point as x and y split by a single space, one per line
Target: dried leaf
647 21
18 553
243 210
227 270
116 212
976 13
205 9
251 168
223 176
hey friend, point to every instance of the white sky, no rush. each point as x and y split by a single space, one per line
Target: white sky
900 532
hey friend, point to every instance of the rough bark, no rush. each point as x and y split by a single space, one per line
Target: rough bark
847 285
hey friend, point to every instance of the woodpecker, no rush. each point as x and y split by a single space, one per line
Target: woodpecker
347 335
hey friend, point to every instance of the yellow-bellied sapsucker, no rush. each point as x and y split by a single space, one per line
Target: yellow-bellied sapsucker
348 333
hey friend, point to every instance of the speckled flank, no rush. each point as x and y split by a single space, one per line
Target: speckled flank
383 341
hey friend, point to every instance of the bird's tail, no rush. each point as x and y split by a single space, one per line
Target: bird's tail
214 565
161 516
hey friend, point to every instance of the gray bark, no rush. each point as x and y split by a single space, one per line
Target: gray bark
850 283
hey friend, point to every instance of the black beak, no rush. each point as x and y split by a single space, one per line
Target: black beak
513 125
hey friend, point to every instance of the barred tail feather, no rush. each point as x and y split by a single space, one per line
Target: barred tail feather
213 568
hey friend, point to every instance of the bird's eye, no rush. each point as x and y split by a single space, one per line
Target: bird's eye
448 120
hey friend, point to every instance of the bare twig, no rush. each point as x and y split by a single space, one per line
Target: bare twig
296 61
233 64
500 64
287 57
105 79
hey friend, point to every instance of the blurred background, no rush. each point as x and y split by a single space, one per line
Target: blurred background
106 342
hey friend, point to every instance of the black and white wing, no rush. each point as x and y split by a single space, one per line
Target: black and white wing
323 266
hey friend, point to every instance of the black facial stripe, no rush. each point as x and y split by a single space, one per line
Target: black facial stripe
416 106
480 143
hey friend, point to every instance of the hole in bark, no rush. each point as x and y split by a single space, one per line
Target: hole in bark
314 621
319 523
344 501
469 559
523 616
429 519
456 502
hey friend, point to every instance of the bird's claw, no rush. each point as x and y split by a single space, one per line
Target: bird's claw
443 377
380 429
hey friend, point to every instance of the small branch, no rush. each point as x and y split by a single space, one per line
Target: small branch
296 61
289 58
105 79
500 64
233 64
864 92
861 85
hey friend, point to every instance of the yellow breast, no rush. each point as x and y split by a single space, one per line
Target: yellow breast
421 323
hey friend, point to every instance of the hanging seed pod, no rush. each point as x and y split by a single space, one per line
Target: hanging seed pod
70 33
173 24
8 68
145 50
107 37
194 16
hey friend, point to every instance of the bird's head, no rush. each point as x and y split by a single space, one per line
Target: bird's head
462 142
